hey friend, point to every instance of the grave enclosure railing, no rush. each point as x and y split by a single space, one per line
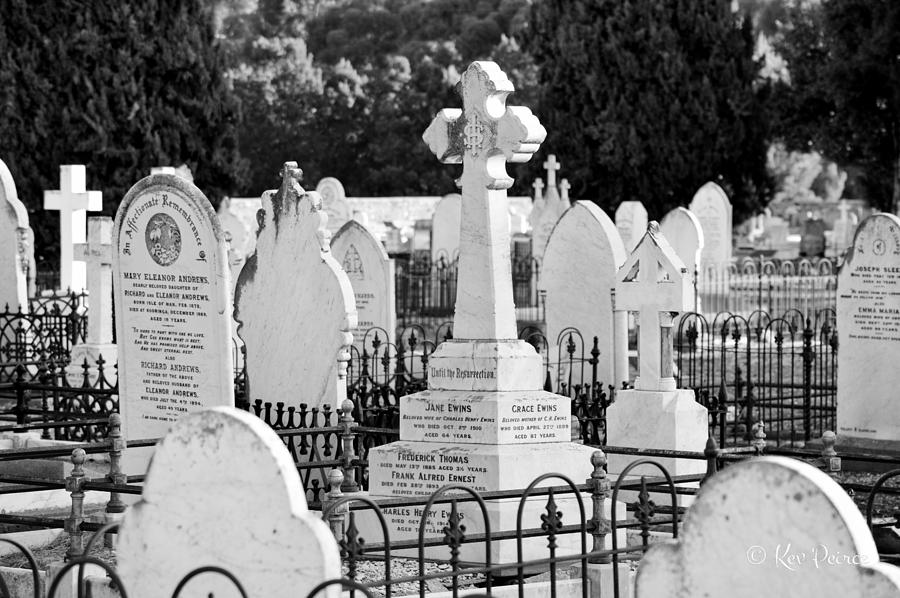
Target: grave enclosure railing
426 290
776 286
779 370
48 330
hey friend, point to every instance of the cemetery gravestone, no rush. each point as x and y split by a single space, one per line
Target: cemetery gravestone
334 203
97 255
294 304
771 526
812 240
579 273
223 491
631 222
682 230
73 202
484 420
445 229
868 317
655 283
713 210
564 202
371 274
552 209
538 206
16 246
172 305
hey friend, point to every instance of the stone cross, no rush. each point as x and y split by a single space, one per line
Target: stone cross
656 284
538 185
483 136
564 187
73 203
551 166
97 254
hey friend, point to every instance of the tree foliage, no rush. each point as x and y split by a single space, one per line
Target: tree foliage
648 100
843 95
118 86
348 91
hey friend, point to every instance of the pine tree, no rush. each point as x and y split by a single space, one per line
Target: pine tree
647 100
118 86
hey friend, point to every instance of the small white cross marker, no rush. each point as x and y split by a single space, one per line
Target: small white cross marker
73 203
655 283
97 253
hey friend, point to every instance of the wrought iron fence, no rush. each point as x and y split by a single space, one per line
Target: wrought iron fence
38 396
426 290
767 284
779 370
52 326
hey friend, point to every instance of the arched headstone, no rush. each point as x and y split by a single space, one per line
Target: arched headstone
224 491
16 246
334 203
771 526
579 272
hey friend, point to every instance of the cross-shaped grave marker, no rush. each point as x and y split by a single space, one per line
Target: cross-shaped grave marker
73 203
483 136
551 166
654 282
97 253
538 185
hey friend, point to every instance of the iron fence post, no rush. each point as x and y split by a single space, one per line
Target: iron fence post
759 438
711 452
599 525
115 508
830 460
349 482
75 486
809 355
21 402
335 519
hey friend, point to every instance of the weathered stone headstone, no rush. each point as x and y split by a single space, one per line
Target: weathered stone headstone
97 255
16 246
682 230
293 269
223 491
655 283
334 203
371 274
172 304
579 273
769 527
73 203
484 420
445 229
550 212
713 210
537 207
868 324
564 202
631 221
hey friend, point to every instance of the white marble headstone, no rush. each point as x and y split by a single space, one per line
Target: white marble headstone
172 304
579 272
223 491
334 203
713 210
683 231
771 526
445 228
294 304
631 222
16 246
371 274
868 316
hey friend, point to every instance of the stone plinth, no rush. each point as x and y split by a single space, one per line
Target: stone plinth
485 365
